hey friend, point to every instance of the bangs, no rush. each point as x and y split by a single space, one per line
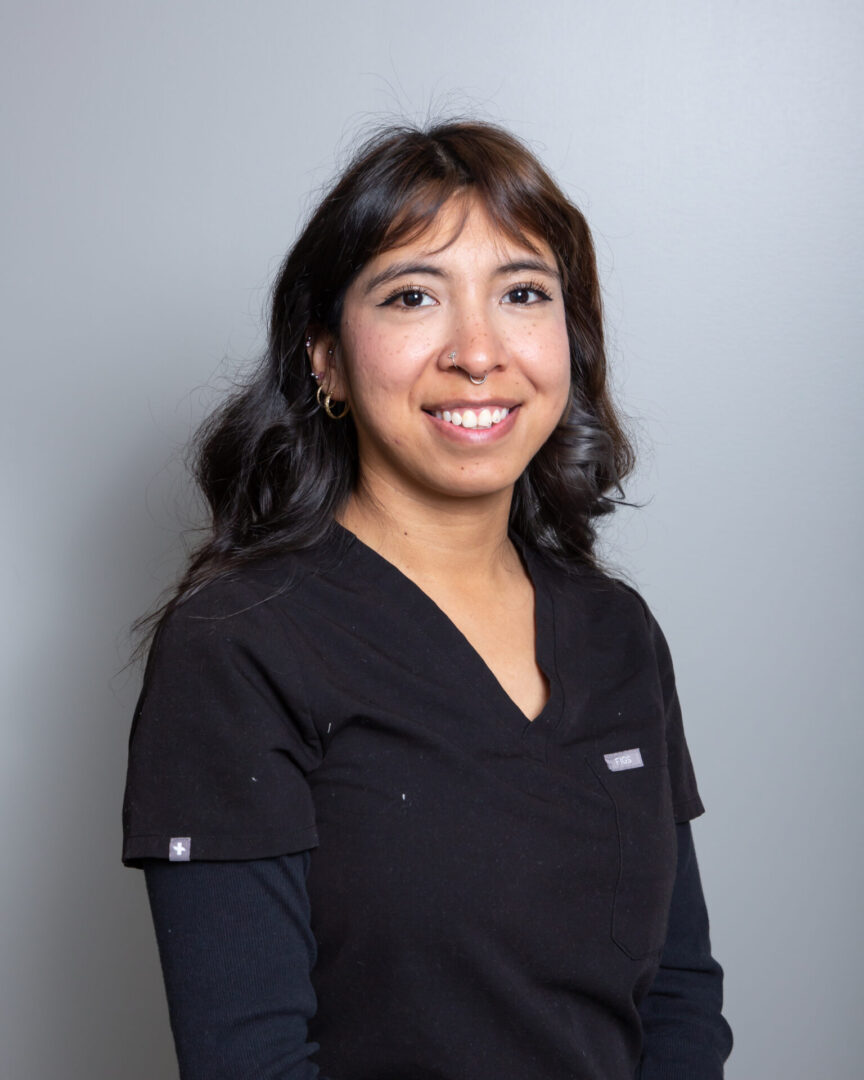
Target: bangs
418 215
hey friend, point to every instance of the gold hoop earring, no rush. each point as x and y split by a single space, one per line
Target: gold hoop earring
327 405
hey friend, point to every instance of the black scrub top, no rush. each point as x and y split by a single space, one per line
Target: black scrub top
489 895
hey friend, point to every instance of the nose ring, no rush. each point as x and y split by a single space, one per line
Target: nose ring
477 382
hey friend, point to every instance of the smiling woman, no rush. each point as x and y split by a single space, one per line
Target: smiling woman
420 758
415 322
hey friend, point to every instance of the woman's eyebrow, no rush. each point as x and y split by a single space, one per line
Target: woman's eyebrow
400 269
406 269
537 265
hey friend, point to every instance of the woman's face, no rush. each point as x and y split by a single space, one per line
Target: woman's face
423 427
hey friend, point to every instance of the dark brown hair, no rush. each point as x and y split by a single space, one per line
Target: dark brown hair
275 470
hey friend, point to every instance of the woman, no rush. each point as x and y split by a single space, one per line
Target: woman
421 759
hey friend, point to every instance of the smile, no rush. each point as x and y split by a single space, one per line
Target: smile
472 418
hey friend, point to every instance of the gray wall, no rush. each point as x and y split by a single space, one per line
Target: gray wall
158 157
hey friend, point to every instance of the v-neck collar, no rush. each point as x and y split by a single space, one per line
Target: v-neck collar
447 635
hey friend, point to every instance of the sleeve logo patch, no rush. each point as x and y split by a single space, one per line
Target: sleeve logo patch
179 848
624 759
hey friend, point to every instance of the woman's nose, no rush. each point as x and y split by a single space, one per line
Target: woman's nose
475 345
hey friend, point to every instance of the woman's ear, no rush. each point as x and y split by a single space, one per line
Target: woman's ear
323 352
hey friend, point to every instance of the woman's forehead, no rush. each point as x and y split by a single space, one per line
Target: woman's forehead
434 234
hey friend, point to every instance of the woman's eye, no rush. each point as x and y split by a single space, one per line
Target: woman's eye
525 294
409 298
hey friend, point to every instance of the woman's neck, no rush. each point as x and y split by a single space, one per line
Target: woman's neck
448 541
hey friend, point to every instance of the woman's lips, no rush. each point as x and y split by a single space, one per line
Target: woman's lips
461 412
472 417
473 421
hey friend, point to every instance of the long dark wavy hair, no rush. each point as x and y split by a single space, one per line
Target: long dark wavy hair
275 470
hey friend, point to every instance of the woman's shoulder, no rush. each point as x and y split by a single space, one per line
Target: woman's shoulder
248 606
257 582
237 590
591 582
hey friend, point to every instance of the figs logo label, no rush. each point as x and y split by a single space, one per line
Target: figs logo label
624 759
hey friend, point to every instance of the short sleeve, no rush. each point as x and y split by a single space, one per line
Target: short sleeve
222 742
686 802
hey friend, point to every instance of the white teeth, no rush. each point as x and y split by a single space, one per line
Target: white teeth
469 418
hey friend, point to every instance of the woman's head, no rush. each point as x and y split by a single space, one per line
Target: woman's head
276 468
453 355
392 192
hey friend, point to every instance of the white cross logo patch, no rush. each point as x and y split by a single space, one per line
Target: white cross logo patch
179 848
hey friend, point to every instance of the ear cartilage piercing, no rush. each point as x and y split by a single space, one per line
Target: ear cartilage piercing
308 342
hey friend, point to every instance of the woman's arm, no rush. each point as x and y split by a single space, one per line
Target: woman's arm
237 951
686 1036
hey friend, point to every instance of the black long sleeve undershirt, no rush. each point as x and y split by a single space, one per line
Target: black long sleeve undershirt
685 1034
237 951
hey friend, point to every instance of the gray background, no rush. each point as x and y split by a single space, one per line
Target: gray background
158 157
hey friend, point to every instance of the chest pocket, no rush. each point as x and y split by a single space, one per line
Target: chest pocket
647 851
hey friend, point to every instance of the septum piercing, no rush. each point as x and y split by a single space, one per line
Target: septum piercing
477 382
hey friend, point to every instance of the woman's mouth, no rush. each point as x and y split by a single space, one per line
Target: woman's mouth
472 418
